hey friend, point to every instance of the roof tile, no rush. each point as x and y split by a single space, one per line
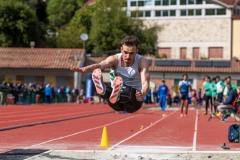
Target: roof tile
38 57
234 67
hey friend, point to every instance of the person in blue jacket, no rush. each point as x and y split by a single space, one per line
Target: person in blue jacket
162 94
48 93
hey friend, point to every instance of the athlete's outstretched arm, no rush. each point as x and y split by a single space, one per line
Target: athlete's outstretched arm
108 62
145 78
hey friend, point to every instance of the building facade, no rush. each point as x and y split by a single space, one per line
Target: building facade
41 66
190 29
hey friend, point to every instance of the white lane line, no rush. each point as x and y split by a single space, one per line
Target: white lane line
76 133
195 133
152 148
38 155
140 131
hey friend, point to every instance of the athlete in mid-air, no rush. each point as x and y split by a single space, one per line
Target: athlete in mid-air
129 77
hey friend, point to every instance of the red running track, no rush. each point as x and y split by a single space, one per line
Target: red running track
147 129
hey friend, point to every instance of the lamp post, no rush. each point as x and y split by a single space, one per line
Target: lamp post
84 37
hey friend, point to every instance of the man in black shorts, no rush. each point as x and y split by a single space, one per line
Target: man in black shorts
129 77
184 86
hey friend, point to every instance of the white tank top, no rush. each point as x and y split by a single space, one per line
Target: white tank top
130 75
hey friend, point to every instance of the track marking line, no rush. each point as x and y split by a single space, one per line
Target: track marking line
39 113
21 109
195 133
87 130
135 134
37 156
152 148
19 120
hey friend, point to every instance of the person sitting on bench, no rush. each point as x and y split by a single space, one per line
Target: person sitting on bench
227 104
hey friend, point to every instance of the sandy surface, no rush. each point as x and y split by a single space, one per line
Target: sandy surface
123 155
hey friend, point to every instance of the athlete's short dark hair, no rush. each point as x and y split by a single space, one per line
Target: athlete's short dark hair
130 41
218 77
185 74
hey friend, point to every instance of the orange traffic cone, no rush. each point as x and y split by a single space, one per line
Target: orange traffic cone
104 140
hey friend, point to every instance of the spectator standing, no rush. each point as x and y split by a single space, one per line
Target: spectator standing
184 87
220 87
194 97
155 96
207 92
162 94
68 94
169 100
48 93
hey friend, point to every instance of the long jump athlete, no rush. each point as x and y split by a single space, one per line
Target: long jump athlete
129 76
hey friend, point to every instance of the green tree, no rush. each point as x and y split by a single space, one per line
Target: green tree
110 24
69 35
18 24
60 12
106 23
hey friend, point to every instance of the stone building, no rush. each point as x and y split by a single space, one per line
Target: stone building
191 29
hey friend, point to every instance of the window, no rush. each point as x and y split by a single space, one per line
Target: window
183 12
191 1
198 12
173 2
158 2
216 52
165 2
208 2
140 14
133 3
137 14
164 52
196 53
140 3
133 14
210 12
183 2
172 13
199 1
147 13
191 12
221 11
157 13
183 53
165 13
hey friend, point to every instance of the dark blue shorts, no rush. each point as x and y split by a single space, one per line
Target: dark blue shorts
184 96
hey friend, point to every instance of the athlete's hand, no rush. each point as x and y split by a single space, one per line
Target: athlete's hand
139 96
76 69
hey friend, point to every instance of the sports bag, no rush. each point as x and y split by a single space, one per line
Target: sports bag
233 133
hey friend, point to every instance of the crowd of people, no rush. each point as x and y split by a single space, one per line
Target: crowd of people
33 93
216 95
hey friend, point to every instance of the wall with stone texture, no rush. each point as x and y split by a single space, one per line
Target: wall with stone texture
197 32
